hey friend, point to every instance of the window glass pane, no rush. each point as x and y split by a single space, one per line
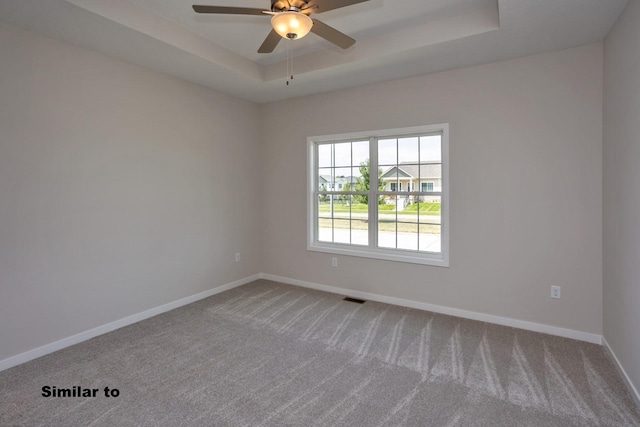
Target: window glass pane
408 223
325 206
362 177
429 209
359 221
342 178
325 218
360 206
430 148
352 178
408 150
342 172
387 152
325 173
341 231
431 177
342 153
360 152
341 207
430 217
410 211
359 232
324 155
408 236
390 178
325 230
387 223
430 238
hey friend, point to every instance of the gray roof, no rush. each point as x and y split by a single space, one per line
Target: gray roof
422 170
325 179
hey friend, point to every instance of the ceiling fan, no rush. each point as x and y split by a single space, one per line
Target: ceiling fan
290 20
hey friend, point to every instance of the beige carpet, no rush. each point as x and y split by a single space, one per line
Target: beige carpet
276 355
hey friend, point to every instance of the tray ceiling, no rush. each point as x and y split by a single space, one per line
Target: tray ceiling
395 38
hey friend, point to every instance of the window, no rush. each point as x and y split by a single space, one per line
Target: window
427 187
370 215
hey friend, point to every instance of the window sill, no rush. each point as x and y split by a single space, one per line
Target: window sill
424 258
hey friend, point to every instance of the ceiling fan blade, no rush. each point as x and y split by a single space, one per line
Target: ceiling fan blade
270 42
227 10
309 9
327 5
331 34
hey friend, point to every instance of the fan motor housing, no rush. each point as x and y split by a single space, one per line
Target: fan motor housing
278 5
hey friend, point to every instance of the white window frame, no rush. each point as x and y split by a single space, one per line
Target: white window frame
440 259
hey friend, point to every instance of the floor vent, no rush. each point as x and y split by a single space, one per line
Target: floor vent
356 300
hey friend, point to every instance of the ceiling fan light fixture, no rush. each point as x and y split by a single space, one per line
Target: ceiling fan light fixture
291 24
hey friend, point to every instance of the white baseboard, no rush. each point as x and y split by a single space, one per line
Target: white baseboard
505 321
91 333
632 388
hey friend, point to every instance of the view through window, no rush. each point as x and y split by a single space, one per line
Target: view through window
381 195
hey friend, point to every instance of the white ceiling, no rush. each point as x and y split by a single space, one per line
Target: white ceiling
395 38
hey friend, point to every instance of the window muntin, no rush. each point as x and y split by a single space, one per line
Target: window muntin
409 221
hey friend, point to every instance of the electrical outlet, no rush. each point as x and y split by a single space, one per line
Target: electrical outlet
334 262
237 256
555 292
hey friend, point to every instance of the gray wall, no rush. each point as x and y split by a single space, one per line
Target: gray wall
621 203
120 190
526 181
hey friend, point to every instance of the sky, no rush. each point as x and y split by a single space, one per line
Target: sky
348 155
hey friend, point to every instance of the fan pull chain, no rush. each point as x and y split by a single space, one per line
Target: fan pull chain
289 73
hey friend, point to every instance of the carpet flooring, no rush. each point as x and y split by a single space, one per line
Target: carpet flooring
269 354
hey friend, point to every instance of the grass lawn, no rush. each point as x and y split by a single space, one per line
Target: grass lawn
355 207
425 207
407 218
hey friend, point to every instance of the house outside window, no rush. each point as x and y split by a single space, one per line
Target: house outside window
370 215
